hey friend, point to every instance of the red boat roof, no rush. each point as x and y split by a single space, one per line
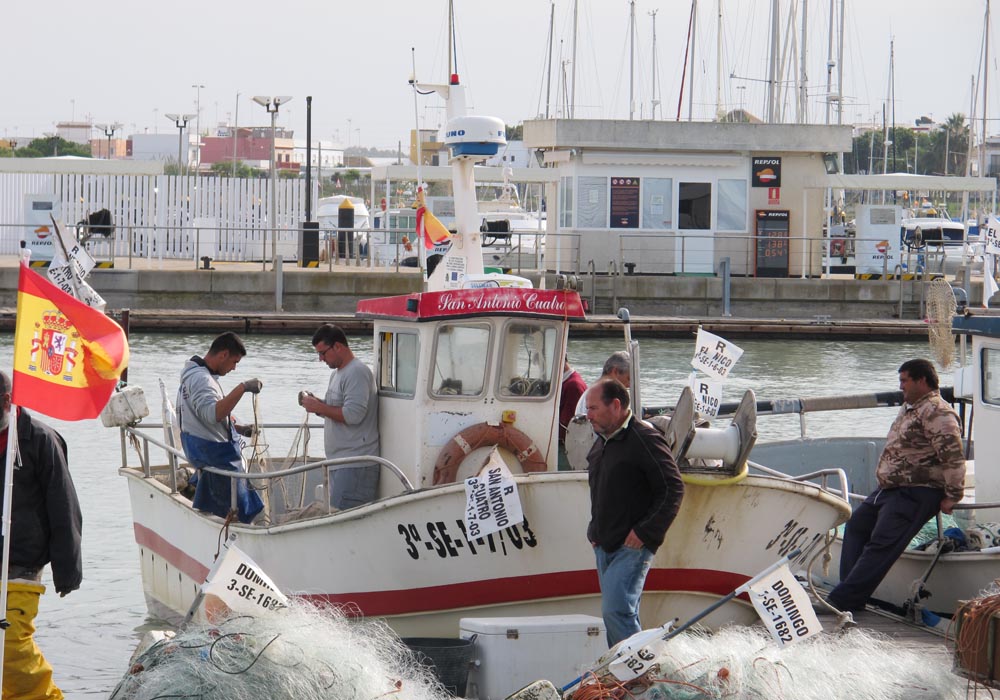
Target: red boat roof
462 303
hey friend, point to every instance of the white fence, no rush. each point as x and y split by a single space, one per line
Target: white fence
164 215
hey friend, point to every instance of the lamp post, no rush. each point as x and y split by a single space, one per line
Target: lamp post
271 104
109 131
181 121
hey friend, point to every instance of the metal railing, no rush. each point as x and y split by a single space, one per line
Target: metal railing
174 456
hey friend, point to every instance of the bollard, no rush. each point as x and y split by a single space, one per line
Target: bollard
724 272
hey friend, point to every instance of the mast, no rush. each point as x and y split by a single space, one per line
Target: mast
829 66
840 67
803 73
986 74
892 94
718 60
772 70
694 21
548 73
631 60
572 96
654 102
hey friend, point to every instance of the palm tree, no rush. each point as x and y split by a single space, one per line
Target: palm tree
957 144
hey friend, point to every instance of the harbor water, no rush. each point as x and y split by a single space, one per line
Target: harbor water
89 635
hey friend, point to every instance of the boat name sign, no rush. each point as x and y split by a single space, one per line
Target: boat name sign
471 301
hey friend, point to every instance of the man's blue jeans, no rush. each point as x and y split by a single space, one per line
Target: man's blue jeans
621 574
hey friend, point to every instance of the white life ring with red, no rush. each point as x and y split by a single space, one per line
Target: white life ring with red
486 435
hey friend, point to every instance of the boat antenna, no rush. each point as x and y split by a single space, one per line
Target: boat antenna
421 254
452 46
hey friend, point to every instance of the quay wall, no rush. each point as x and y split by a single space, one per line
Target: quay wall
337 292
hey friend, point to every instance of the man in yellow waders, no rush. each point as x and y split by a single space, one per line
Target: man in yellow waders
46 527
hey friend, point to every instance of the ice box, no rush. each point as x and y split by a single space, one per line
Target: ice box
511 652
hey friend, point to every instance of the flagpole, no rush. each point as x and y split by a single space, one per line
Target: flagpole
69 261
8 493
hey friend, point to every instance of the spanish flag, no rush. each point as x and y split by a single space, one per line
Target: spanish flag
429 227
67 356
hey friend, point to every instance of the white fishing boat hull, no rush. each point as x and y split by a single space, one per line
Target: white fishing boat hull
956 576
405 558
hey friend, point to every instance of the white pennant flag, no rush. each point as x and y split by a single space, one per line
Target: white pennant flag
491 499
989 282
993 236
70 264
241 585
715 356
784 607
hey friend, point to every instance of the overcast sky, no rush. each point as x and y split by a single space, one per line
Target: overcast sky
133 62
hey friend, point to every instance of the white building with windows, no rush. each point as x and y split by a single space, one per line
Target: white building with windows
657 197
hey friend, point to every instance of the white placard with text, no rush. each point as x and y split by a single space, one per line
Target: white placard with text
715 356
491 499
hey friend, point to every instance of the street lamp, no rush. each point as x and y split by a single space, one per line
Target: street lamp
181 120
271 104
109 131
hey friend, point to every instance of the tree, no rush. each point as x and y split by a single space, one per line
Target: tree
52 146
515 133
225 169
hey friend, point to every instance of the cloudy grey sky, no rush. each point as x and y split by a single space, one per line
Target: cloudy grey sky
133 62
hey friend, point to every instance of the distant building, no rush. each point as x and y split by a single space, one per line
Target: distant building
163 147
252 146
515 154
76 132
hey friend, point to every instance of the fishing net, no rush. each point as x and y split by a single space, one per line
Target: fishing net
745 663
940 311
300 653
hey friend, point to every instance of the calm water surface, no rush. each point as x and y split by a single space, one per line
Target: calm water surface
89 635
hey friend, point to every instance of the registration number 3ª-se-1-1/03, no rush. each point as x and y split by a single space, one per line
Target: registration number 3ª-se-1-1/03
445 541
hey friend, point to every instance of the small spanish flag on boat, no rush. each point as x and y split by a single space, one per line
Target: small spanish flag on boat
429 227
67 356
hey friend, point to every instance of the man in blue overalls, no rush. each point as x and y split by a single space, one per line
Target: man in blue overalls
209 435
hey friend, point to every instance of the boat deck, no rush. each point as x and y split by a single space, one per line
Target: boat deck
916 637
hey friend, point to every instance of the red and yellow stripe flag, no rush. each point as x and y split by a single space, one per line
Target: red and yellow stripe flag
67 356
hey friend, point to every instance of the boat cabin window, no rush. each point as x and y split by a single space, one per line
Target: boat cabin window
991 376
527 360
461 356
398 355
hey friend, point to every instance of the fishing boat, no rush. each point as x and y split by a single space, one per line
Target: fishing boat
473 363
935 578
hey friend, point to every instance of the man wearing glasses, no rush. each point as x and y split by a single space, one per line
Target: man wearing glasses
350 416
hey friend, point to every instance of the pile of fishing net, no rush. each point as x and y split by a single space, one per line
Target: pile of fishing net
300 653
745 663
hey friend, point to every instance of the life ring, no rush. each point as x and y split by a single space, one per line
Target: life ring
486 435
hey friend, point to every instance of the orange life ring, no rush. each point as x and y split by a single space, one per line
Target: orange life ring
486 435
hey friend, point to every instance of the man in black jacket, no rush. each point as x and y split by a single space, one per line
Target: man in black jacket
635 493
46 525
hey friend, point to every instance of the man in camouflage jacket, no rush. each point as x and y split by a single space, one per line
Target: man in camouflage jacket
921 471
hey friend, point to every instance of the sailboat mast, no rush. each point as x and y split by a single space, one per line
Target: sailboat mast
653 101
892 95
572 96
840 67
631 60
772 71
829 66
803 74
986 74
718 59
548 73
694 22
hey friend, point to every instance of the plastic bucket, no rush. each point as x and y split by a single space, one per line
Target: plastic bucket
448 658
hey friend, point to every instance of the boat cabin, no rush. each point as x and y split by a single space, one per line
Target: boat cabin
473 367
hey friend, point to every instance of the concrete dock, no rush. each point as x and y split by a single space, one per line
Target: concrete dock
175 296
